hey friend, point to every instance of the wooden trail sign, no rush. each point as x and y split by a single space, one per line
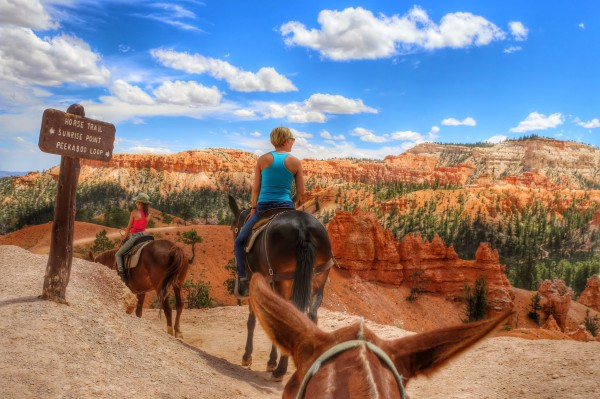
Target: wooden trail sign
72 136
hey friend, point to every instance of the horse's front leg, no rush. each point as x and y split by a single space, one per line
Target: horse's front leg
179 304
247 358
281 369
140 304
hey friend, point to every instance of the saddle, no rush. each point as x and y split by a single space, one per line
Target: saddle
262 224
132 257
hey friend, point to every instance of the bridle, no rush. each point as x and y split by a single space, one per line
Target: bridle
342 347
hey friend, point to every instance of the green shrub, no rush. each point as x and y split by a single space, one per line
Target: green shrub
230 282
476 300
417 281
197 294
592 323
534 308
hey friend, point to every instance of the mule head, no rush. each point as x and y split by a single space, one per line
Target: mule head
233 206
360 371
239 216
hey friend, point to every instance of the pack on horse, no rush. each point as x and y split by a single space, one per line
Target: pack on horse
161 264
352 362
293 252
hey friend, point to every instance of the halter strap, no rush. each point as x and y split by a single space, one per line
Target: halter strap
342 347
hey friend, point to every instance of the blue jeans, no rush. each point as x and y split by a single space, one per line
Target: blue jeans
126 246
240 240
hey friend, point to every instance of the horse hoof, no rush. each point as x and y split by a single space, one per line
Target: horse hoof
247 362
271 367
178 335
276 378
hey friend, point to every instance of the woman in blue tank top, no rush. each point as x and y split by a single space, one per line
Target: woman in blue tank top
273 176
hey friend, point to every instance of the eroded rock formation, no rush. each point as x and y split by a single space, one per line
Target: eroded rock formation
556 300
362 246
590 296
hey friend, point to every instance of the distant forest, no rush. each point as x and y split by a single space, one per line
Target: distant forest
534 242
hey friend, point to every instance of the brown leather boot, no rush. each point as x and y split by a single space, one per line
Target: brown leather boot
123 276
242 287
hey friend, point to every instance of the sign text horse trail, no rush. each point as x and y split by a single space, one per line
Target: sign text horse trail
73 136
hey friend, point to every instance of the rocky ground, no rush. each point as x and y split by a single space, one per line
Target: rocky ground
92 348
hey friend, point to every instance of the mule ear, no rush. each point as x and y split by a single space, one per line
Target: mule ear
91 255
424 353
233 206
284 324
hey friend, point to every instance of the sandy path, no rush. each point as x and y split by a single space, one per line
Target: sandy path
93 349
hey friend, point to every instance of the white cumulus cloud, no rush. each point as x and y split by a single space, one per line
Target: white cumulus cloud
368 135
496 139
328 136
336 104
455 122
356 33
407 136
518 30
25 58
314 109
594 123
537 121
187 93
25 13
266 79
244 113
512 49
130 94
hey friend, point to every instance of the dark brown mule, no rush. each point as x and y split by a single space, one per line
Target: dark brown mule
352 362
162 264
294 253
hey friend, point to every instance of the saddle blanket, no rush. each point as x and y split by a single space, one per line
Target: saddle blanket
262 224
133 255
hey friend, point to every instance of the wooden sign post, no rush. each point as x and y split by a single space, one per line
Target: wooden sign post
72 136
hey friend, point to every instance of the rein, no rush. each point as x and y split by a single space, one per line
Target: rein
342 347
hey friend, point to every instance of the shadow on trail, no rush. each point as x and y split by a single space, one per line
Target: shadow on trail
258 379
24 299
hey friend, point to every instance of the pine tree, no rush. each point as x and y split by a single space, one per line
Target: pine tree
192 238
102 243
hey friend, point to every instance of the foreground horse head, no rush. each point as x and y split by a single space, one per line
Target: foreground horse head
294 253
352 362
162 265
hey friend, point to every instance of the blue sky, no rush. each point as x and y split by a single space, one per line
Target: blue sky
351 78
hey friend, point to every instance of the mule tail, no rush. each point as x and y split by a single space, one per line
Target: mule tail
305 258
178 265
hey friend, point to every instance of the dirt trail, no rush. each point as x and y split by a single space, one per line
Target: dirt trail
93 349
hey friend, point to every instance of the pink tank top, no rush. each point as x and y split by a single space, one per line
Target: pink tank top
139 225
